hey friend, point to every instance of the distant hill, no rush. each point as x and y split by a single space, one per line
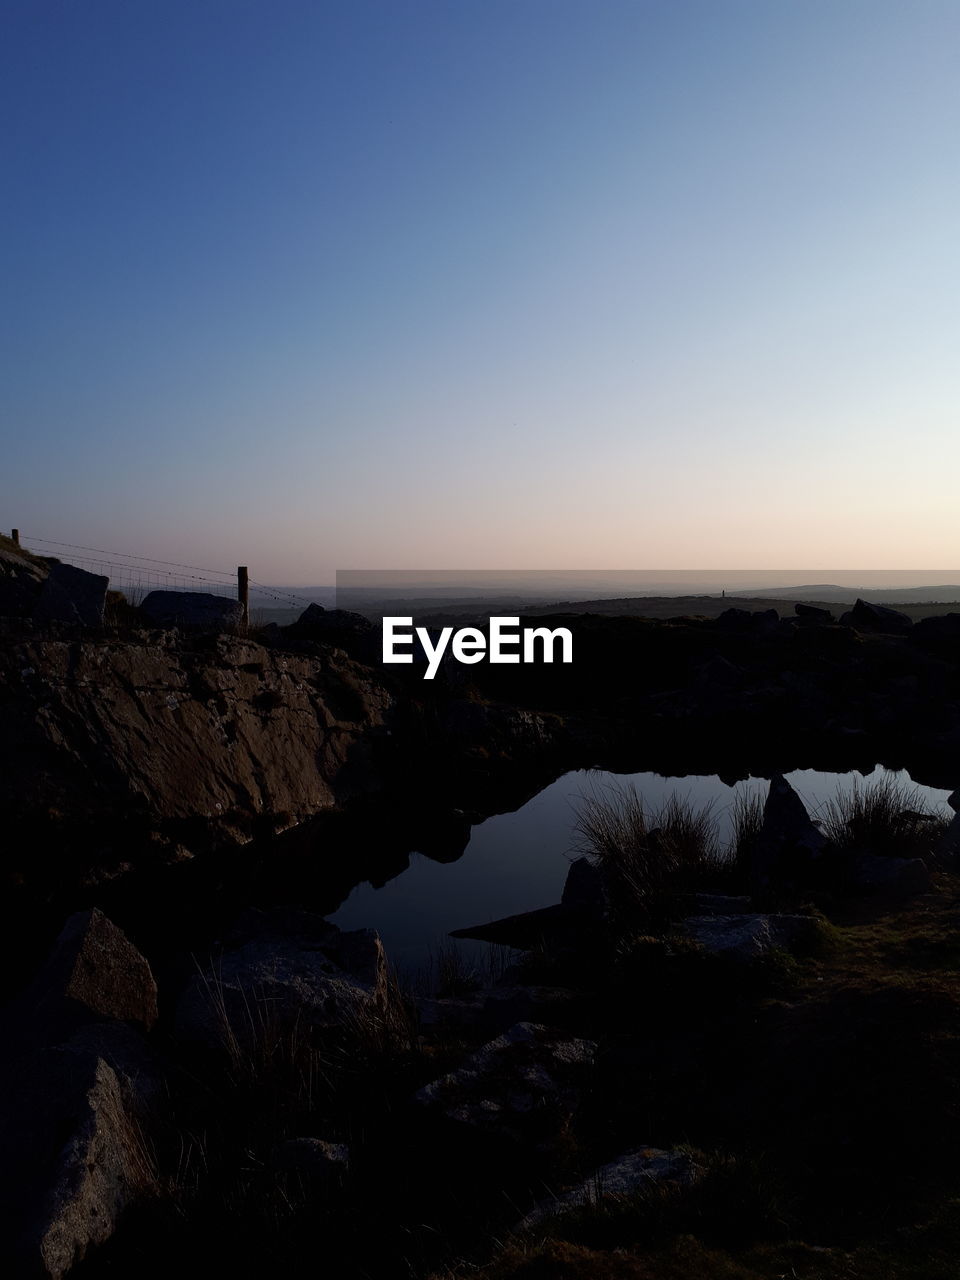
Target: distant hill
876 595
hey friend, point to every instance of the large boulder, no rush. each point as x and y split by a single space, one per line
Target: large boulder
93 973
865 616
522 1086
788 839
21 580
635 1172
749 937
192 609
292 968
72 595
811 616
894 877
74 1157
945 626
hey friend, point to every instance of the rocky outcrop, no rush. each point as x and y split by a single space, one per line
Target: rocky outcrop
865 616
48 591
291 969
749 937
811 616
635 1172
75 1158
524 1086
72 595
79 1087
204 742
191 609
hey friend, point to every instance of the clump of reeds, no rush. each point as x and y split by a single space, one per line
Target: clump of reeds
647 857
885 817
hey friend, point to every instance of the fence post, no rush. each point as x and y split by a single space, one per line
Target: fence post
243 593
15 536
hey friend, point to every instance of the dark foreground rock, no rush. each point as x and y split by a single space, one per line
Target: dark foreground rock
524 1086
865 616
79 1088
93 973
788 842
749 937
293 969
632 1173
72 595
74 1155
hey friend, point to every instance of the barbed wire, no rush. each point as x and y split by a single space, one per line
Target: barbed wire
128 555
127 572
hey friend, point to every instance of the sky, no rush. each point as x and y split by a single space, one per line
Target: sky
664 284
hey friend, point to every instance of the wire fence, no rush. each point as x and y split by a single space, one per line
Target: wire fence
136 575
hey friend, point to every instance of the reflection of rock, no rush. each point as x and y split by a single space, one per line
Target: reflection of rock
749 937
637 1171
192 609
582 906
313 976
524 1085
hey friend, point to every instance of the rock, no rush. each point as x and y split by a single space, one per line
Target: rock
21 580
762 621
810 615
320 979
313 1158
192 609
899 877
944 626
167 731
495 1009
748 937
522 1086
72 595
583 888
715 904
637 1171
949 844
953 800
94 972
74 1158
718 672
865 616
788 839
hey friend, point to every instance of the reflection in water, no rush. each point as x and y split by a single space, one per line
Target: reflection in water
518 861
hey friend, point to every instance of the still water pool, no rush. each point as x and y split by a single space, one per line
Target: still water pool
518 861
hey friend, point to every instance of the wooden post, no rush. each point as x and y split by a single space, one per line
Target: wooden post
243 592
15 536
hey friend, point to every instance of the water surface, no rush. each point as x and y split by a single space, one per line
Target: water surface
518 861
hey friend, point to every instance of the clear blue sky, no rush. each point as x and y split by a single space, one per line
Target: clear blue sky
481 283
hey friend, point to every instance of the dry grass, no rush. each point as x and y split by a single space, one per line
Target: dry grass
883 817
647 856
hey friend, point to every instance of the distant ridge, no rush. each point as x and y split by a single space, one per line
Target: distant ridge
876 595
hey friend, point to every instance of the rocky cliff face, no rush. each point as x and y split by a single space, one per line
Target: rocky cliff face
185 739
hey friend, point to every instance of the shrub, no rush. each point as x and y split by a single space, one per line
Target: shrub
884 817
